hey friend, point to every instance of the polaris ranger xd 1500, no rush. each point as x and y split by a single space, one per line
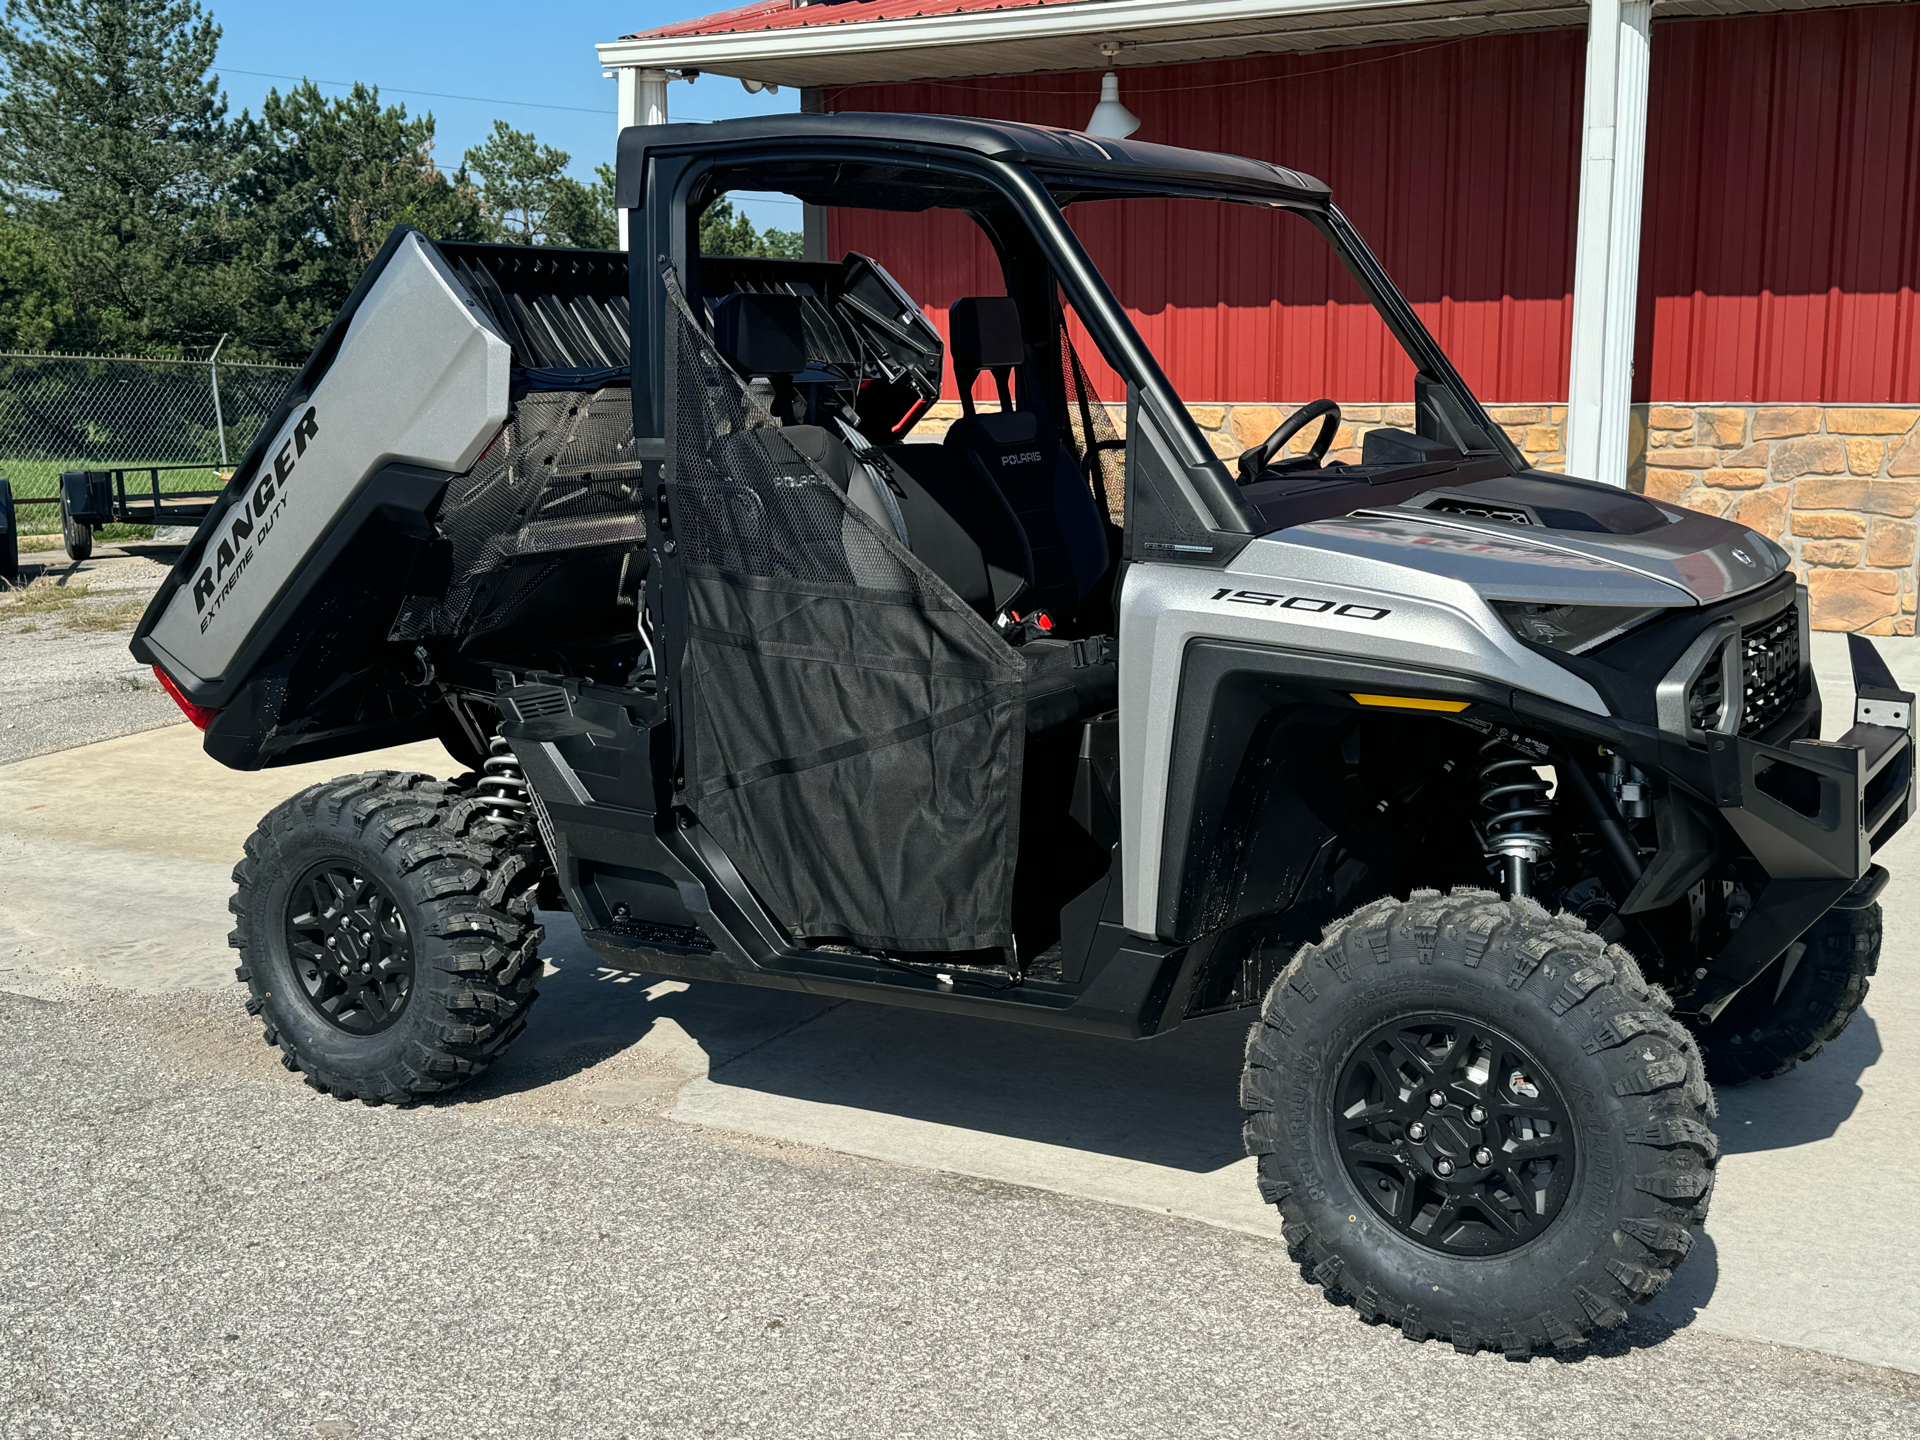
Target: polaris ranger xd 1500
1499 793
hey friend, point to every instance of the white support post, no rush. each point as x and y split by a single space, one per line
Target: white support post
1607 250
642 100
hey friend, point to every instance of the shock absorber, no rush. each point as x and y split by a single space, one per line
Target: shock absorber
1516 800
501 783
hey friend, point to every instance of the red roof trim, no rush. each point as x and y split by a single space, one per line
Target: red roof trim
785 15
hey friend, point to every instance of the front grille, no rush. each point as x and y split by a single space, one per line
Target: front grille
1770 677
1704 697
1770 670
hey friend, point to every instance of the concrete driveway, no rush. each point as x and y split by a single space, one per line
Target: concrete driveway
705 1209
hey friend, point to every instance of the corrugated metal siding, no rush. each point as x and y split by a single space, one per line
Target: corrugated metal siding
1779 252
1456 160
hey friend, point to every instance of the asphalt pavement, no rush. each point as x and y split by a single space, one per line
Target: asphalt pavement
709 1210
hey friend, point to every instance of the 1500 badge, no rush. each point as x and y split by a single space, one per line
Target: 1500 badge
249 521
1311 604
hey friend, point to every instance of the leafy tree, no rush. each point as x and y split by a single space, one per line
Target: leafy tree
116 151
327 180
725 231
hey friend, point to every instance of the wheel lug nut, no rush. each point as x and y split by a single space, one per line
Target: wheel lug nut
1482 1156
1444 1167
1417 1132
1477 1115
1436 1099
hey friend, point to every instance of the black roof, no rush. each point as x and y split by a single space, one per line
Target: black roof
1065 152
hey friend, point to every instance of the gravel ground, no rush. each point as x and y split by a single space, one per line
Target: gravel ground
64 666
193 1244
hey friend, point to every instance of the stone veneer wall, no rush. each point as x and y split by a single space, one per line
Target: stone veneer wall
1836 485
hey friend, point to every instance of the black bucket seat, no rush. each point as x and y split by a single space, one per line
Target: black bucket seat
1018 451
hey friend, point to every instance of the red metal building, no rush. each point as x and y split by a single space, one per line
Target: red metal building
1754 263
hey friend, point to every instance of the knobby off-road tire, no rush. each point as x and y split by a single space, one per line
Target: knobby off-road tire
1760 1036
428 893
1566 1019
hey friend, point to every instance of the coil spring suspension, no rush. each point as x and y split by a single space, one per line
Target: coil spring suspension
501 783
1516 800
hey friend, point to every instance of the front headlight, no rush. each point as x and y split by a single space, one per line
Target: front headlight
1570 628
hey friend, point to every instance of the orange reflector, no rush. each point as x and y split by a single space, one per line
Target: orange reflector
1409 702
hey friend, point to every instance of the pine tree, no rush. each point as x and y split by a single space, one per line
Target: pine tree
529 198
116 151
326 181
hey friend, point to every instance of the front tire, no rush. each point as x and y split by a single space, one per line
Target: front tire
386 934
1479 1122
1772 1026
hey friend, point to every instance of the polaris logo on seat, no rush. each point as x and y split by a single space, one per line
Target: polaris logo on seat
1026 457
249 522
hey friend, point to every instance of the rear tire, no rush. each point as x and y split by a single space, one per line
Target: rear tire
1762 1035
386 934
1593 1112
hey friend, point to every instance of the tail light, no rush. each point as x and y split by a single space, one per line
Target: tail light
202 716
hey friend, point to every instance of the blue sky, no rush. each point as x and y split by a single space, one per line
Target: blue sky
538 55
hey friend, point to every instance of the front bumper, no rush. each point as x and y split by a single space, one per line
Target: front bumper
1814 809
1813 813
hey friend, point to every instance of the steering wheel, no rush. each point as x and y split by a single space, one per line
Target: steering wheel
1257 458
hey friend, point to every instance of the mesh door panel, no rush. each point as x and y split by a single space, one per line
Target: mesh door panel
852 730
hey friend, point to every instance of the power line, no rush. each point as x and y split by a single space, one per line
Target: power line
430 94
444 95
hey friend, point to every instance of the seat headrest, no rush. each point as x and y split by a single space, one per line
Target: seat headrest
761 334
984 333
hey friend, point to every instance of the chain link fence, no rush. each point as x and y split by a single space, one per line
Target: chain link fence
70 412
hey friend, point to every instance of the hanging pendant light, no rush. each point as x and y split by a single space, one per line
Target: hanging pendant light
1112 120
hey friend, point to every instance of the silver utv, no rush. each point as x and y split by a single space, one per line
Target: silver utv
1498 793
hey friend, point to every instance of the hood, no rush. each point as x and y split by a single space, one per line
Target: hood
1709 558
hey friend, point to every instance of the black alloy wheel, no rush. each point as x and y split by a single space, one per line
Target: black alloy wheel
1455 1135
350 948
426 893
1479 1121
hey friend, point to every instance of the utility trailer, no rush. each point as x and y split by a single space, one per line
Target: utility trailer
129 495
1499 793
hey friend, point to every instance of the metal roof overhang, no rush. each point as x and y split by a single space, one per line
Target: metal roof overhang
1027 40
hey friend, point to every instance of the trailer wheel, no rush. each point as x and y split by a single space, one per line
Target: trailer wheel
77 534
1788 1013
1479 1122
386 934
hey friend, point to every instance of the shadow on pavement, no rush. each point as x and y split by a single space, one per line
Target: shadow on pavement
1171 1101
1808 1104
